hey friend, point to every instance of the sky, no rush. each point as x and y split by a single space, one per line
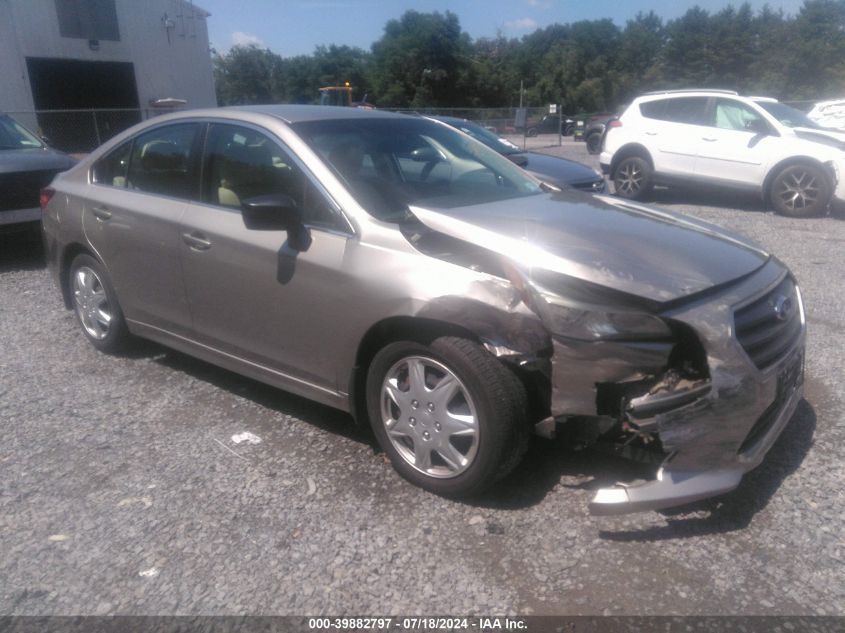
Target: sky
296 27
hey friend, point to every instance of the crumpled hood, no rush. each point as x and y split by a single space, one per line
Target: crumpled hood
653 254
35 159
825 137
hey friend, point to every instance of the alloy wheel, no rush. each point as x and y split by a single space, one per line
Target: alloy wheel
91 302
429 417
798 190
629 178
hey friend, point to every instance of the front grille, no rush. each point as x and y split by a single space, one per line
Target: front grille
20 190
769 326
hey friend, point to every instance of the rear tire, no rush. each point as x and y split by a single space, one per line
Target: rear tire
800 191
633 178
531 132
457 446
95 305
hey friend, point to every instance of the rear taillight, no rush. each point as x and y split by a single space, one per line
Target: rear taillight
614 123
45 197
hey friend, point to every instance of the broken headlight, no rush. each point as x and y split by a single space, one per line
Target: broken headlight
592 325
577 309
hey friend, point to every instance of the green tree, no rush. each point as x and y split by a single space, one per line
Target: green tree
637 60
419 59
817 50
244 75
426 60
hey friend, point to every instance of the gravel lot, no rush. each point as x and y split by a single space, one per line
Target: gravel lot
122 491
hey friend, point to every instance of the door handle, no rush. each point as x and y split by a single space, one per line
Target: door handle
101 213
651 133
709 139
196 241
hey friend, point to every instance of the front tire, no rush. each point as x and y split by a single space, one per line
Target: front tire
633 178
451 418
95 305
594 143
800 191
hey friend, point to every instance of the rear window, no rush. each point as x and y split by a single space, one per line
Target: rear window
691 110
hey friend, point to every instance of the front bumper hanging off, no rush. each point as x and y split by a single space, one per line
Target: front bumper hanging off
712 438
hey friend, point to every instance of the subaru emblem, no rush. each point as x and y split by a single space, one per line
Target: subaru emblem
782 307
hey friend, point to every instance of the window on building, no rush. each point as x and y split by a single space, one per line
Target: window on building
88 19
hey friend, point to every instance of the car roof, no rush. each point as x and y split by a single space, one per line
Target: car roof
687 92
291 113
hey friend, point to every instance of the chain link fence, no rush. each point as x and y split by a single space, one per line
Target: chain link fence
528 128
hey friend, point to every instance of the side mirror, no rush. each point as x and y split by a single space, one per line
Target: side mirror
758 126
426 155
276 212
520 160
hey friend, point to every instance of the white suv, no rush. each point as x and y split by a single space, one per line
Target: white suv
718 137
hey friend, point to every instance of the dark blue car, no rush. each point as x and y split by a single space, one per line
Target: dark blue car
557 171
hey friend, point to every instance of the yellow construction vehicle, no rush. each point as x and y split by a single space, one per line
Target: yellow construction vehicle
342 96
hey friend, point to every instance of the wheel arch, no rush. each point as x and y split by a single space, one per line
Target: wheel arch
524 343
796 160
389 330
626 151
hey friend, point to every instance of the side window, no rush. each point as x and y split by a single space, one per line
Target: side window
691 110
242 163
112 168
161 161
733 115
653 109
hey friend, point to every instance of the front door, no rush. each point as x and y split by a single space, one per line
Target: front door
250 294
734 149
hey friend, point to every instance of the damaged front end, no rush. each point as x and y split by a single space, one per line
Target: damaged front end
701 401
693 373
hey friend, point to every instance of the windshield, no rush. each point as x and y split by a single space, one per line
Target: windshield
391 164
15 136
790 117
484 135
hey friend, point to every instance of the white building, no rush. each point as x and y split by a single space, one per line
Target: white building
102 54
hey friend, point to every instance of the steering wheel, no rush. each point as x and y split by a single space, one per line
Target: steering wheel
427 169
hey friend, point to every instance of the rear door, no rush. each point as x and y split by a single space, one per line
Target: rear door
131 218
672 131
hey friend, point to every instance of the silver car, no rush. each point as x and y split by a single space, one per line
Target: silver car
393 267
